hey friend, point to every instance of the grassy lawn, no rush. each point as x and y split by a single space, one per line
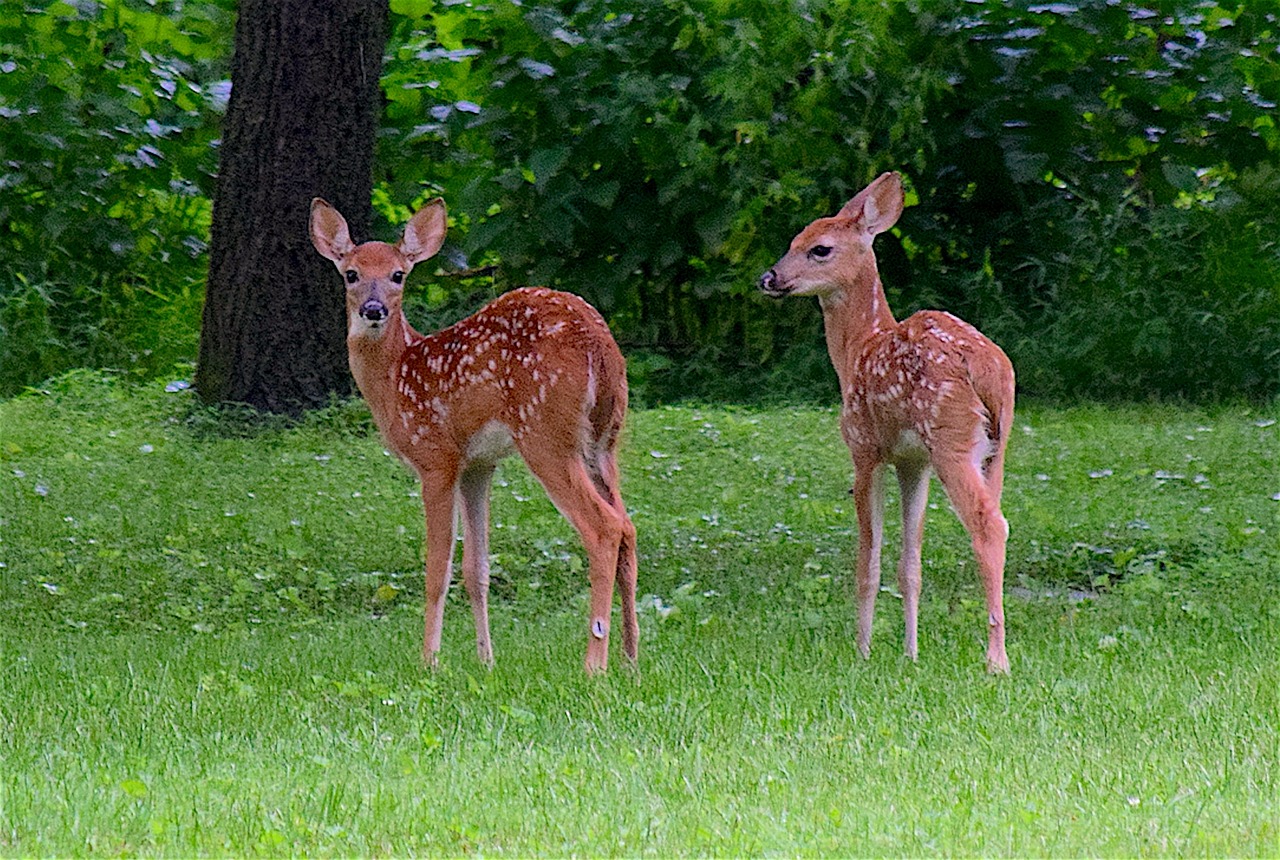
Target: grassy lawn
210 634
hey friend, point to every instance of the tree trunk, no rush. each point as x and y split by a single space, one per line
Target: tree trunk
300 124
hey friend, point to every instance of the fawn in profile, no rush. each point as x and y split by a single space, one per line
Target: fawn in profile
536 372
930 393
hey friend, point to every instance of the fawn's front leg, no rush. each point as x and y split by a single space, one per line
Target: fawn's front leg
474 490
438 494
868 498
913 482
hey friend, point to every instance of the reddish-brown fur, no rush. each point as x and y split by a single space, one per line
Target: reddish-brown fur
930 393
536 372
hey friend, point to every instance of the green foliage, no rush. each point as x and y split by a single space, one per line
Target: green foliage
1160 303
110 112
1111 167
211 646
1092 184
655 157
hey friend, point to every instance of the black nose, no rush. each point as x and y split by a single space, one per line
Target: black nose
769 281
373 311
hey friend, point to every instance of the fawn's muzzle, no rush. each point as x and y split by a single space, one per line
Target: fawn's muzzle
373 311
769 284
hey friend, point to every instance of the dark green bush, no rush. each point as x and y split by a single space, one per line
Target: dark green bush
110 111
656 157
1089 179
1112 167
1091 183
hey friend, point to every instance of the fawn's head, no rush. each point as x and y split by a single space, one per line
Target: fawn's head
375 272
832 252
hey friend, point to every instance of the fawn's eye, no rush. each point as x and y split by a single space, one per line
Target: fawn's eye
397 277
352 276
820 251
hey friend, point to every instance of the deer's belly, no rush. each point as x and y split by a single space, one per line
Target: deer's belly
895 430
490 443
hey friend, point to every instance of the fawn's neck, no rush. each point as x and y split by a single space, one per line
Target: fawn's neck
375 364
852 315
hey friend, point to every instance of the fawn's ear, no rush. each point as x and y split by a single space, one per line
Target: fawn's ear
878 205
329 231
424 234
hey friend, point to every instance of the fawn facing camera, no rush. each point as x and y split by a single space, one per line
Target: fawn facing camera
536 372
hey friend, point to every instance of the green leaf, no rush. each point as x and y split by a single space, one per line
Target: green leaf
1180 176
412 8
545 163
135 788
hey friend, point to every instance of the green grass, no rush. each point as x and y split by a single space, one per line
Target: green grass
210 632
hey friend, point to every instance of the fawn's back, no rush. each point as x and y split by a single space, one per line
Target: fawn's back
926 378
532 362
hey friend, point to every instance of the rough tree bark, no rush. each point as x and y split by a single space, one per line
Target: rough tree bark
300 124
